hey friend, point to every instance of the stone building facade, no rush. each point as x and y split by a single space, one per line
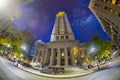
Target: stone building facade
108 14
63 49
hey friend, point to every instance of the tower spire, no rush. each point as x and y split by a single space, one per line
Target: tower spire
62 28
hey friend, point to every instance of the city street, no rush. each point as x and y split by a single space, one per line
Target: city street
10 72
59 40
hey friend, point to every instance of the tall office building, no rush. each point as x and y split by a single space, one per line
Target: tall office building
108 14
63 50
62 28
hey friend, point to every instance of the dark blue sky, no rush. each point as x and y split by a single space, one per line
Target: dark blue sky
40 17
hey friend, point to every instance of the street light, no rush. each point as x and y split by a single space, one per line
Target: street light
24 47
92 49
21 55
8 45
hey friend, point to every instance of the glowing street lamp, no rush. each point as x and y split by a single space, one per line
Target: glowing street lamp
92 49
24 47
21 55
8 45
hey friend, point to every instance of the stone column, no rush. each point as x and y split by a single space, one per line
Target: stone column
73 57
58 57
45 57
42 58
34 56
78 55
51 56
38 56
66 57
80 59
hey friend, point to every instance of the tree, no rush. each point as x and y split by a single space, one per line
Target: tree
99 49
15 39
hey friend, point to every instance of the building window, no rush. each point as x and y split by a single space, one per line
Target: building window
62 54
62 37
68 53
119 14
102 7
67 37
110 9
116 12
62 32
95 4
109 1
106 7
104 0
118 2
55 54
113 2
57 37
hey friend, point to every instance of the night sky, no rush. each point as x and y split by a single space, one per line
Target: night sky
39 16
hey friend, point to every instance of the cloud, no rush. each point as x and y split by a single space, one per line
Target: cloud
87 20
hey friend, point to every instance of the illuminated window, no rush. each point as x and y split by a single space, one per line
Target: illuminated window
62 32
76 61
61 29
116 12
75 51
113 1
111 26
63 54
102 6
110 10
